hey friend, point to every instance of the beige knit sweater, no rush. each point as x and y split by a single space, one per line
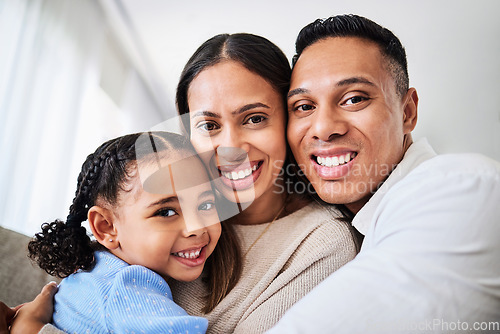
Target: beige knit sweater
295 254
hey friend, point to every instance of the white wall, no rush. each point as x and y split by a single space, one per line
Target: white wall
453 51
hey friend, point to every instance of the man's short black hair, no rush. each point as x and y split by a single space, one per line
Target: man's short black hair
357 26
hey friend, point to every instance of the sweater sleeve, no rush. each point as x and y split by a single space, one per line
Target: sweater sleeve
310 264
140 301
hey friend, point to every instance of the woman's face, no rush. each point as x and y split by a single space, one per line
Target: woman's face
238 119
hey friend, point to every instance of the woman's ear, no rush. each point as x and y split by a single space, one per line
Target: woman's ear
410 111
101 221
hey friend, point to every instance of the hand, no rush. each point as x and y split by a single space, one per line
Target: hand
6 316
32 316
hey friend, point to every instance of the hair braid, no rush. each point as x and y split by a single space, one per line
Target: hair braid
63 248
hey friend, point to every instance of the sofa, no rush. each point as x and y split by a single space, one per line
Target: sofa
20 280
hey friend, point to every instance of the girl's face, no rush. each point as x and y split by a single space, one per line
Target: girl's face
239 118
169 222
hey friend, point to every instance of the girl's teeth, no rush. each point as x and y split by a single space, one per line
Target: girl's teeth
188 255
240 174
336 160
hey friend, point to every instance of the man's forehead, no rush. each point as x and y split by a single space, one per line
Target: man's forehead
342 59
338 50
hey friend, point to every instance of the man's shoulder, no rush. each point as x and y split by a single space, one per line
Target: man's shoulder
459 164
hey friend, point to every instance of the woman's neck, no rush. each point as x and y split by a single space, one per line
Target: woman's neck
263 209
268 207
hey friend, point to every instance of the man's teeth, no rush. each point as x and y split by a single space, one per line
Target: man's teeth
336 160
240 174
188 255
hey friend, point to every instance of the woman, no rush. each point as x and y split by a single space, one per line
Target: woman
231 96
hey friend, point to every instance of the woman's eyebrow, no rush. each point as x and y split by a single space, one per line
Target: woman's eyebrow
249 107
205 113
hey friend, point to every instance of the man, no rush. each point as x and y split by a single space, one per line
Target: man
430 256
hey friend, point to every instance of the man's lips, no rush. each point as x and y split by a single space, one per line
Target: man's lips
333 164
333 160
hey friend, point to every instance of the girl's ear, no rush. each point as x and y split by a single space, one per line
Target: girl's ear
101 223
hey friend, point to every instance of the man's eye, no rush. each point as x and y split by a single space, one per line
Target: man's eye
304 107
255 119
355 100
166 212
206 206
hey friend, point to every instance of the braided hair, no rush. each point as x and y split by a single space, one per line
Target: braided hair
63 247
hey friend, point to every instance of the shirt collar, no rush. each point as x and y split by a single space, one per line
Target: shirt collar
417 153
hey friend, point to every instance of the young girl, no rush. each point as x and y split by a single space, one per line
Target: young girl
150 207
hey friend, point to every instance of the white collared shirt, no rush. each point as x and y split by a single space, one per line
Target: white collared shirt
430 260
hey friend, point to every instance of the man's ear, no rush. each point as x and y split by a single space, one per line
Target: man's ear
410 104
101 221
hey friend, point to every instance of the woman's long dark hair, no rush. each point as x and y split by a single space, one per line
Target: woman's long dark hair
63 247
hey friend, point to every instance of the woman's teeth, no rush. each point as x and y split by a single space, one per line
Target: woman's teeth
240 174
335 160
188 255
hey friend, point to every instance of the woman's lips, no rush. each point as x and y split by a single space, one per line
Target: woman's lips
240 177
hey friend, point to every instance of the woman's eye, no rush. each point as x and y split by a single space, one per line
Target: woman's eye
255 119
206 206
207 126
166 212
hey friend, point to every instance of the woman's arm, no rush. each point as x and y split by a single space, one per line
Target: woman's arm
33 316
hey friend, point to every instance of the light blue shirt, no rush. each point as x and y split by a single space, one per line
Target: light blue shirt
430 258
116 297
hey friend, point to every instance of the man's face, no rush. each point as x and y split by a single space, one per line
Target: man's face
347 124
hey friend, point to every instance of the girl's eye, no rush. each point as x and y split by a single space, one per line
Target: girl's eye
206 206
167 212
255 119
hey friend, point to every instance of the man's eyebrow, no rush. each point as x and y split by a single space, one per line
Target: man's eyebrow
296 91
162 201
205 113
249 107
354 80
345 82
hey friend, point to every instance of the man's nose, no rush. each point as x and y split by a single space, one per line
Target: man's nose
328 123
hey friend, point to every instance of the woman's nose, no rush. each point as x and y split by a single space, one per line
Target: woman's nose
231 154
232 147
